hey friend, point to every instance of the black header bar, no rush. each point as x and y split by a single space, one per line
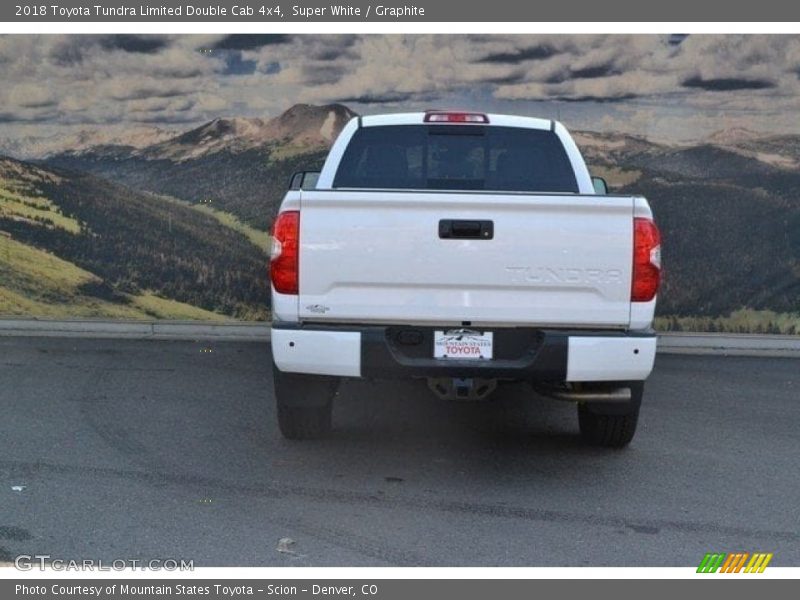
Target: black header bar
318 11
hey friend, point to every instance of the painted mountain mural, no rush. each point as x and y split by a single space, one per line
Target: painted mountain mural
727 207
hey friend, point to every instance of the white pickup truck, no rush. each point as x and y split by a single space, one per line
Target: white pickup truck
466 249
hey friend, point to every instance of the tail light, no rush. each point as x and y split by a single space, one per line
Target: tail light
646 260
284 256
436 116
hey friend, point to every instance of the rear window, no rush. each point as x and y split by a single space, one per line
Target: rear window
456 157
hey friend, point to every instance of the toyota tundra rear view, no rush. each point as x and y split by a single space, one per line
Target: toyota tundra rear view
467 249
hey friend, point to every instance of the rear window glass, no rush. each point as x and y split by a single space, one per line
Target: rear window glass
456 157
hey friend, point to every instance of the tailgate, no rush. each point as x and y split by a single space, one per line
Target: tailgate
550 260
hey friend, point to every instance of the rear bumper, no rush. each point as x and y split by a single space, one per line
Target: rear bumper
392 352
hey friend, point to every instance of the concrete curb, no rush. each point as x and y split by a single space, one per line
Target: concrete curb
137 330
668 343
742 344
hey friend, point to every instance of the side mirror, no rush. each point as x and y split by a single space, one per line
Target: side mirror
600 186
304 180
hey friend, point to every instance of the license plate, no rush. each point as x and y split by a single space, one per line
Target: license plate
461 344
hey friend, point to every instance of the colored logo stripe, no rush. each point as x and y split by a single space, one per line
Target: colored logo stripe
734 562
710 563
758 563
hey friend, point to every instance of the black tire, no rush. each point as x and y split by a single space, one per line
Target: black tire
304 404
611 425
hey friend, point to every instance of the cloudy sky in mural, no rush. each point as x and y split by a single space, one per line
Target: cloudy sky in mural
670 88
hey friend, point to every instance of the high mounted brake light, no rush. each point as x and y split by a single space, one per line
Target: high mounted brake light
284 256
455 117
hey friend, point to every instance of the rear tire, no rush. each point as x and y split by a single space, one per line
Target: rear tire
304 404
610 425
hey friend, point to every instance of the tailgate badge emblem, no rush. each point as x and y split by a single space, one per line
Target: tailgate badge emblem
317 308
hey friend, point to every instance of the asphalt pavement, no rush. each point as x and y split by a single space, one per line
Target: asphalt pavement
130 449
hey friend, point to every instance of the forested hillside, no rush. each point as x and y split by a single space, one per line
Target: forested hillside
134 243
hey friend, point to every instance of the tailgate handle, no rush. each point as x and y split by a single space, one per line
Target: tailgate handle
466 229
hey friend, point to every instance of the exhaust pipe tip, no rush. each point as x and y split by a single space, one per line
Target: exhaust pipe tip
591 394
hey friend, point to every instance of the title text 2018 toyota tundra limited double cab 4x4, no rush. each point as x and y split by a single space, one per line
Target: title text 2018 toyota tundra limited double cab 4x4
466 249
